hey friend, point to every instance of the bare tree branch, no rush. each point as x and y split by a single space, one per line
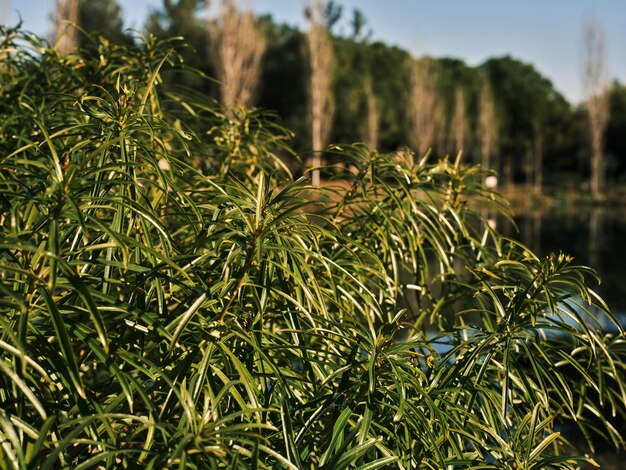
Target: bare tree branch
595 79
459 126
487 127
373 115
66 33
238 44
423 104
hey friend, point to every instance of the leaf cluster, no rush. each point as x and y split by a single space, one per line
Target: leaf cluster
171 297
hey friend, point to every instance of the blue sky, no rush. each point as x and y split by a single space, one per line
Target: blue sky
544 32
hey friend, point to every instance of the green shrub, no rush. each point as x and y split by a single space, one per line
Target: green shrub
171 297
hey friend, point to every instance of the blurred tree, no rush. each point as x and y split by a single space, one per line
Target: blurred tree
441 122
525 99
66 37
238 45
97 17
596 86
361 32
565 153
386 94
350 73
390 81
488 128
181 18
423 105
452 75
615 148
331 12
356 110
322 104
284 79
460 120
103 17
373 115
537 158
371 83
178 17
284 85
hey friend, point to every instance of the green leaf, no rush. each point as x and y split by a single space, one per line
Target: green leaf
65 344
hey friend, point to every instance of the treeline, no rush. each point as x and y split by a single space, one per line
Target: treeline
503 113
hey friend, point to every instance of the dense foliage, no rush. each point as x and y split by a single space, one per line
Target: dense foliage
171 297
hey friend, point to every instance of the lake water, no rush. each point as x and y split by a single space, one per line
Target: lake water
594 236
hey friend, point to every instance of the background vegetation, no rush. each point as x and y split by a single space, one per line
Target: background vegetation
536 127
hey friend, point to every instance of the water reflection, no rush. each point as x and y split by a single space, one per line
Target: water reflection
593 236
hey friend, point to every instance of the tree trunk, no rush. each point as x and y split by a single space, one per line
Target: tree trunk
237 47
538 161
321 102
595 83
373 116
66 34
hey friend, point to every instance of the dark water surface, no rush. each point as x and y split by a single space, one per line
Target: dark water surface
594 236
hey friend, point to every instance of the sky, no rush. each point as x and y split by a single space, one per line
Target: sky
546 33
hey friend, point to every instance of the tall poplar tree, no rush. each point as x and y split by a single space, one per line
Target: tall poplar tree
237 47
597 93
321 101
